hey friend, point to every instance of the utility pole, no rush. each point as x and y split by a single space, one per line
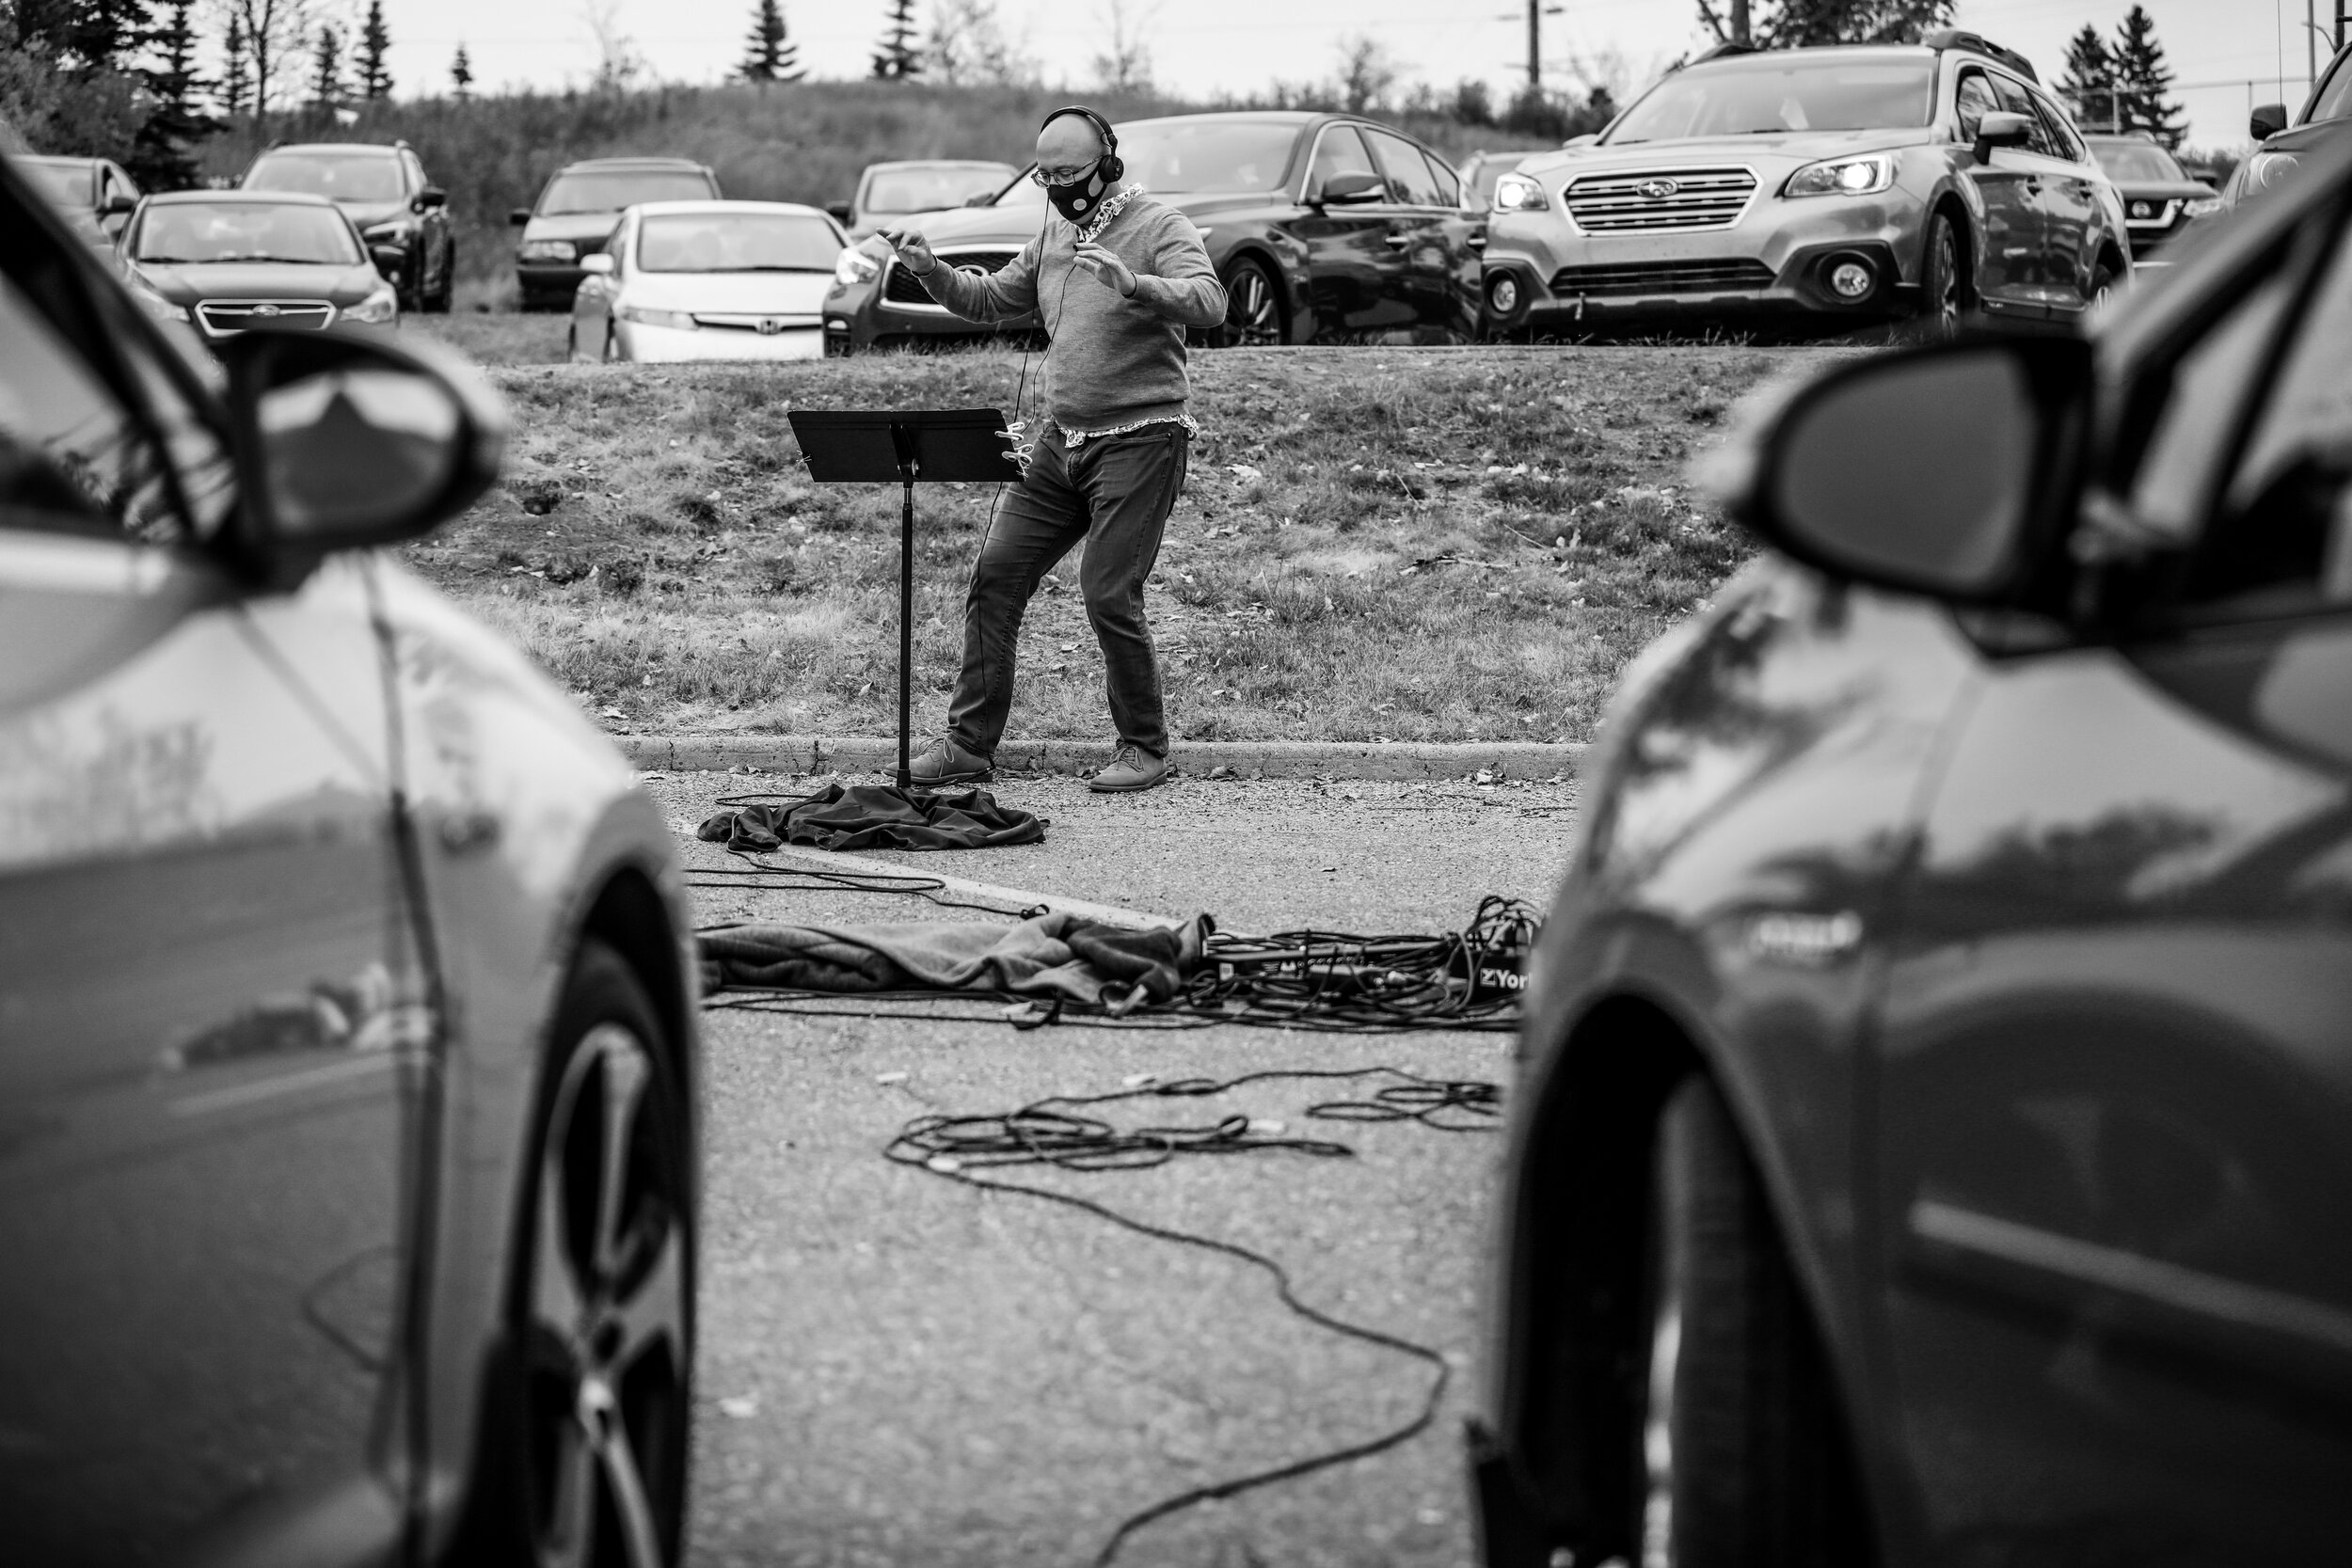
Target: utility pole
1537 10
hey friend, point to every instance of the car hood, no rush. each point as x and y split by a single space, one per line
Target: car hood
758 294
2162 190
576 227
365 215
2306 136
1783 152
185 285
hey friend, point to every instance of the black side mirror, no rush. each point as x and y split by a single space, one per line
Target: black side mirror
119 205
428 198
1947 470
1344 190
840 211
388 258
2267 122
2001 129
346 442
519 216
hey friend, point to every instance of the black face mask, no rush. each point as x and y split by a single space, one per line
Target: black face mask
1080 196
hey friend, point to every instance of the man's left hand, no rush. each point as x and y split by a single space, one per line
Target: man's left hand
1107 267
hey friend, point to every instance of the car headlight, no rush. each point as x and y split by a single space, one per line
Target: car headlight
646 316
1843 177
379 306
548 250
2269 170
2204 207
855 267
156 305
1517 192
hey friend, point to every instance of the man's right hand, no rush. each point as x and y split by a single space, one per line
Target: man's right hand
912 253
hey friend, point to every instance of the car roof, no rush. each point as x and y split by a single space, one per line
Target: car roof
309 147
241 198
1258 117
55 160
634 163
675 208
942 162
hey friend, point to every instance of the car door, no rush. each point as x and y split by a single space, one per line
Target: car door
435 255
1425 233
206 996
2011 243
2053 188
1349 262
2114 1144
2071 201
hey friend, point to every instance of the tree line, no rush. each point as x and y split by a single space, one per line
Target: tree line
2124 85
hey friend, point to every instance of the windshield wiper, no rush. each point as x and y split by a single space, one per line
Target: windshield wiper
289 261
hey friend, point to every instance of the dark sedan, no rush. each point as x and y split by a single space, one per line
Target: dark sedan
2160 201
226 261
97 195
2280 146
384 191
1323 226
348 1058
1933 1135
578 211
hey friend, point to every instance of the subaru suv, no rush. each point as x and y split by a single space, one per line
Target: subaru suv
1837 184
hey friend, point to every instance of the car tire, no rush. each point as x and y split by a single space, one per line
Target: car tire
438 302
2103 282
585 1440
1253 308
1737 1456
1942 278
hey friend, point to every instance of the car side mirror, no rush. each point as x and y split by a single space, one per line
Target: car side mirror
1946 470
1342 190
119 205
2267 122
519 216
840 210
388 258
979 199
1587 139
347 441
597 263
428 198
1998 129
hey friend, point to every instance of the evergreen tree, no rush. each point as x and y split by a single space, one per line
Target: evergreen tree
899 58
164 158
327 91
85 35
375 41
2089 84
461 73
234 91
769 54
2142 80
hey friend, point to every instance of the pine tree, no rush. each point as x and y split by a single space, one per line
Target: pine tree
2142 80
461 73
769 54
899 58
375 41
87 36
164 156
234 91
2089 84
327 91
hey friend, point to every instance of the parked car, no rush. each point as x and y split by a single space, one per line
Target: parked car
2280 146
348 1061
2160 199
96 194
228 261
384 191
708 280
1480 171
1932 1132
1312 237
888 192
575 215
1815 185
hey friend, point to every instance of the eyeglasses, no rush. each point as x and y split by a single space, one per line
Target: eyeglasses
1044 176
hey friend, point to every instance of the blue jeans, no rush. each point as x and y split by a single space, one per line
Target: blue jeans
1114 493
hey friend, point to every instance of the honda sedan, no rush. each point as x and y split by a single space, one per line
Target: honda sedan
708 280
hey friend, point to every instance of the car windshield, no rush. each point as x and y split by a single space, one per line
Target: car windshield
342 176
2137 161
737 242
2334 99
609 192
68 184
198 231
926 189
1774 93
1196 155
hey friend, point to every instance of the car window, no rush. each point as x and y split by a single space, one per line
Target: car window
1449 187
2332 100
1407 171
2209 385
2016 100
417 181
1340 150
1974 99
2062 131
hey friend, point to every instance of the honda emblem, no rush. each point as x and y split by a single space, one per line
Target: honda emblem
770 326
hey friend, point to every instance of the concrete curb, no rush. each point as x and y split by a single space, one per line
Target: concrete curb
1271 759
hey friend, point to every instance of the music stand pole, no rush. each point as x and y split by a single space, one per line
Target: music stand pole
910 470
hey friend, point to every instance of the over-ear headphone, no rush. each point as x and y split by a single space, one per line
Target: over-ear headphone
1114 167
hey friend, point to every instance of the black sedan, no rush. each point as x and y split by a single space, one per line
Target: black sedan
1323 228
1933 1140
226 261
2160 201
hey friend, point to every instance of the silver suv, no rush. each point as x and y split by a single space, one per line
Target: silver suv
1863 182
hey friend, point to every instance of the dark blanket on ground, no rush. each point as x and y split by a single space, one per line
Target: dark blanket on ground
877 816
1056 953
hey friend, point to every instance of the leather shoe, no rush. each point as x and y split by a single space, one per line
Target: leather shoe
1130 768
944 762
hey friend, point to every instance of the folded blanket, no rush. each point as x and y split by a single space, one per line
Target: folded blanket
877 816
1055 953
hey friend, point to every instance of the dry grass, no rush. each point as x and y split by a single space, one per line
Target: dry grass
1408 544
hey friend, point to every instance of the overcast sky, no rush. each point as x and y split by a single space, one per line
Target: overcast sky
1203 46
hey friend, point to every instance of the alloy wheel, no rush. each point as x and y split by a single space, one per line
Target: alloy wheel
1253 317
606 1315
1949 298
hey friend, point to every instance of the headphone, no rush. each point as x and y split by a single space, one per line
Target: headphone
1114 168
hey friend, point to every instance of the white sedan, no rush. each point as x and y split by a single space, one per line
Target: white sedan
708 280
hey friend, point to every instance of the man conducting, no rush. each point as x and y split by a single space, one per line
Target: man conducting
1116 278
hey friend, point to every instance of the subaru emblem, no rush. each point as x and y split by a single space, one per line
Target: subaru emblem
267 310
1658 190
770 326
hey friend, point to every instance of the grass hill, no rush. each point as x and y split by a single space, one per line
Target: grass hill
802 142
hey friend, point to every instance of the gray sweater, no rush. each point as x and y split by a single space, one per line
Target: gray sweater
1114 361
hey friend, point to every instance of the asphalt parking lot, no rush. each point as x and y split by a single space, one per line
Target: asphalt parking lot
896 1368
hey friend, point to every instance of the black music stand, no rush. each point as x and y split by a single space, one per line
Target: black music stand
961 446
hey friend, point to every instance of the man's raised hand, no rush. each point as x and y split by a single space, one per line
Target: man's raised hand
912 253
1107 267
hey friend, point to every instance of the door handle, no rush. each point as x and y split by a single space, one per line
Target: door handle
1398 241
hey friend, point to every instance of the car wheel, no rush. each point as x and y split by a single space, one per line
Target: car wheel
602 1313
2102 280
438 302
1737 1457
1253 307
1944 285
611 345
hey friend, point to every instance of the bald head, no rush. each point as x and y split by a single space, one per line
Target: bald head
1068 143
